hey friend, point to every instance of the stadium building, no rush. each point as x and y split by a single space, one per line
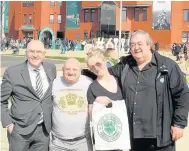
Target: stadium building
166 21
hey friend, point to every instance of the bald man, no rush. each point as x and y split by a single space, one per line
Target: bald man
70 130
29 85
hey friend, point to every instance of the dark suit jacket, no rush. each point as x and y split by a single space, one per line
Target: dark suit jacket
26 105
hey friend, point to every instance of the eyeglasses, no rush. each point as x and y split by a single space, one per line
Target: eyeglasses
97 64
37 52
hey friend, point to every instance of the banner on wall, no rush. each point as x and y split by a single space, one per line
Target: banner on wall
161 14
6 15
72 14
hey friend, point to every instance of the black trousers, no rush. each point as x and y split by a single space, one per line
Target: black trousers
149 145
38 140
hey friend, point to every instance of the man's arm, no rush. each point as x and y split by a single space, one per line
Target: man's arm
90 109
116 70
89 74
6 90
180 97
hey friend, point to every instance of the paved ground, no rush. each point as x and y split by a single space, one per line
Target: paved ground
7 61
182 144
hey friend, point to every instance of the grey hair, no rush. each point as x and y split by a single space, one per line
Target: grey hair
149 40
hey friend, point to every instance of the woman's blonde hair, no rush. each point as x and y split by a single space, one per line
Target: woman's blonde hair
96 52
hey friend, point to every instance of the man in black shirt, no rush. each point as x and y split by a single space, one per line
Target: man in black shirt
156 95
177 50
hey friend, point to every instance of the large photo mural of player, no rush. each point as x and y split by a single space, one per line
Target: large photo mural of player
72 14
161 15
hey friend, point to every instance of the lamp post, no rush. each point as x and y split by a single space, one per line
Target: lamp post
120 28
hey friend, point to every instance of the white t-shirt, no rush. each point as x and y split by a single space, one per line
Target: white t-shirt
70 108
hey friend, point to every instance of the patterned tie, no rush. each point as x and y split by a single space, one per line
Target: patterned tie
39 90
39 84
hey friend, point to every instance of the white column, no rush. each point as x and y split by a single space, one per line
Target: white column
120 28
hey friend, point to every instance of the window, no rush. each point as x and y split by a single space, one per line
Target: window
59 3
25 18
51 19
136 14
27 3
92 15
60 34
30 18
144 14
124 14
186 14
185 37
52 3
86 12
59 19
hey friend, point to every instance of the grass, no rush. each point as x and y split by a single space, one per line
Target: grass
187 78
82 60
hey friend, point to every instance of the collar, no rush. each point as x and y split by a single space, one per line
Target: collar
153 61
31 68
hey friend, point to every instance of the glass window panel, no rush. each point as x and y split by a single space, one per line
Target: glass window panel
51 19
59 19
124 14
59 3
92 15
136 14
86 12
144 14
52 3
186 15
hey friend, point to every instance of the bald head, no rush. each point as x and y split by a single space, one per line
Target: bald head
72 62
35 53
35 45
71 70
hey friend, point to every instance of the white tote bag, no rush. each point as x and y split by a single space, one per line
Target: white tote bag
110 126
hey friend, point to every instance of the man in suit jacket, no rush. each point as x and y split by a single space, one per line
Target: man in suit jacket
29 85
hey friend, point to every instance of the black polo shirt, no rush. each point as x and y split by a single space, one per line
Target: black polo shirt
141 99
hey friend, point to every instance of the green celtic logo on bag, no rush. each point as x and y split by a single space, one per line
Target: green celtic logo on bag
109 127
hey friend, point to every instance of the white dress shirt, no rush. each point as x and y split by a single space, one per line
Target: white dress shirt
33 75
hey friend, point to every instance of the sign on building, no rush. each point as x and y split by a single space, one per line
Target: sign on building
6 16
72 14
161 15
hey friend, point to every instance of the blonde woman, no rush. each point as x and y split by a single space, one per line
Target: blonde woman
105 84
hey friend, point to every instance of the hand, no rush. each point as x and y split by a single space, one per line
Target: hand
176 133
10 128
103 100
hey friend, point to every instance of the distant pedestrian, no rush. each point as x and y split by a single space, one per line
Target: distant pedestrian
64 46
177 51
156 46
